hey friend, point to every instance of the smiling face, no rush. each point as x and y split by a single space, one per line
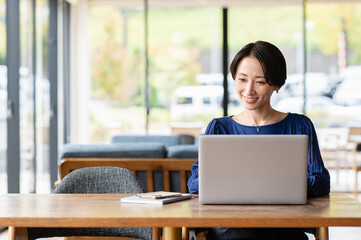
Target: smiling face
251 86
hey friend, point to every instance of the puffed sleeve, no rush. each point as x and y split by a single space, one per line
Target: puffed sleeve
318 176
193 180
212 128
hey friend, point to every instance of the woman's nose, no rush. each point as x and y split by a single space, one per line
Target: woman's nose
249 89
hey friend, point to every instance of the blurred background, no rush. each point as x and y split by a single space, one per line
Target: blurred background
157 67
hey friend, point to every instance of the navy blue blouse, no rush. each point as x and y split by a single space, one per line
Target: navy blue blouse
318 176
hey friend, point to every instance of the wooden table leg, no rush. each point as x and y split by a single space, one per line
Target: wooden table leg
322 233
185 233
172 233
155 233
16 233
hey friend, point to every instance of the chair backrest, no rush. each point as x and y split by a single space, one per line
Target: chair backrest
96 180
358 147
100 180
354 132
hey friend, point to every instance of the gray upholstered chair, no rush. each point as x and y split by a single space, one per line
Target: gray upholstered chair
96 180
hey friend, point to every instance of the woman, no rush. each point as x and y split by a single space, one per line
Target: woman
259 70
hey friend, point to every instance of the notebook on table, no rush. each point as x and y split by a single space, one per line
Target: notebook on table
253 169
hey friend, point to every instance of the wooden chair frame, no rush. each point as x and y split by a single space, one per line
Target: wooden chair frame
355 132
356 167
149 165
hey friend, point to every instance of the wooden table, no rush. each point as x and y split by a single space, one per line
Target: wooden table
105 210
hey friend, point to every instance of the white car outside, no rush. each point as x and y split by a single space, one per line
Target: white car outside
318 84
348 92
196 100
295 104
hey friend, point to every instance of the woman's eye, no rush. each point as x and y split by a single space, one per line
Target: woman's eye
260 82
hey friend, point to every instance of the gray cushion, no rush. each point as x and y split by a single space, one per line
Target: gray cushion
182 151
166 140
187 139
120 150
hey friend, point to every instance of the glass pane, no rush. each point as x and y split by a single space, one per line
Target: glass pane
3 99
185 69
278 24
26 98
42 97
334 83
334 51
117 71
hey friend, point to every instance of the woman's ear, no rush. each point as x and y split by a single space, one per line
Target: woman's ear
277 89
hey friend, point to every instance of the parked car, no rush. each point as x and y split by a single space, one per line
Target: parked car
348 92
351 72
317 84
216 79
322 110
194 100
295 104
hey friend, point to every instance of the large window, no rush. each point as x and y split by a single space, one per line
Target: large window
169 78
185 68
334 51
33 101
184 71
3 99
116 45
333 83
42 98
185 60
26 97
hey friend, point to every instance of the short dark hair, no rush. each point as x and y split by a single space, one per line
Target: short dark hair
270 57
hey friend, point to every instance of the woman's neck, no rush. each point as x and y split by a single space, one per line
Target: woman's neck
259 118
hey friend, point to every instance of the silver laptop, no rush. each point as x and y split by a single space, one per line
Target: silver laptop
253 169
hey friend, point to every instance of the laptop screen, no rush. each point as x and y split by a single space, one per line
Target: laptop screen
253 169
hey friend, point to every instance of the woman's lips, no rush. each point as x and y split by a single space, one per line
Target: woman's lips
250 99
